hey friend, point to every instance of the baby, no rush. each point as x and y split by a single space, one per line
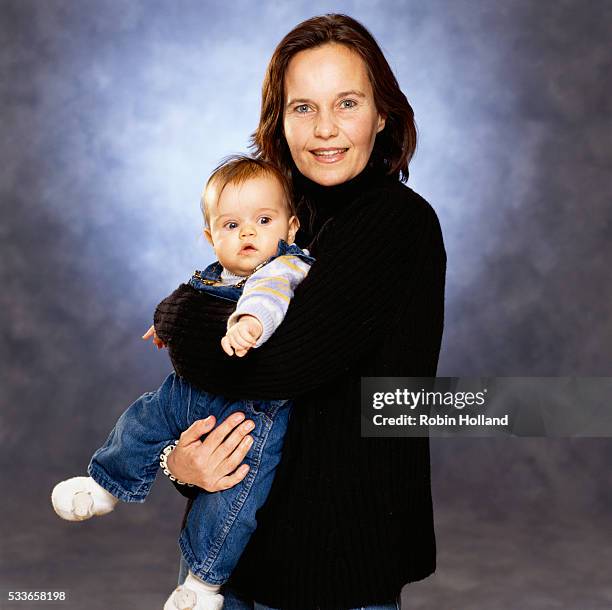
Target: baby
251 224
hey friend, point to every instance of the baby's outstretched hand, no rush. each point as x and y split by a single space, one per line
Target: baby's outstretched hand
151 334
242 336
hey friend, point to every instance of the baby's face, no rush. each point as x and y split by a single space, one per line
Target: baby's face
247 222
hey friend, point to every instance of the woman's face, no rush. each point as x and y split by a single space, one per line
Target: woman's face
330 119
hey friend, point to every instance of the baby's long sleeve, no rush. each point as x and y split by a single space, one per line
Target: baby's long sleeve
268 292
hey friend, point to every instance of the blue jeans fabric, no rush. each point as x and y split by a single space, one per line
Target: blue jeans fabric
219 524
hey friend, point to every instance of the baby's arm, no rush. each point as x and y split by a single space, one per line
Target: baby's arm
263 304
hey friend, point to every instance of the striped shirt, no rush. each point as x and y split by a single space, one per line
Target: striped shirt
268 292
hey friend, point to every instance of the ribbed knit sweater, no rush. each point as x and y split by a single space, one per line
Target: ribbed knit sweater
349 520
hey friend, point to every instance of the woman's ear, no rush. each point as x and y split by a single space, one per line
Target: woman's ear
208 236
381 123
294 225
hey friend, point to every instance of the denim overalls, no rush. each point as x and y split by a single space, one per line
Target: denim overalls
219 524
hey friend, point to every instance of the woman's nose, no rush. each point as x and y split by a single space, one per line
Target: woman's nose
325 125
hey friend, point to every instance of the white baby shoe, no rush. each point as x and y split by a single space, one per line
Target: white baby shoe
195 594
81 498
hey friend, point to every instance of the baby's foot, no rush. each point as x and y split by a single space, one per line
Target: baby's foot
195 594
81 498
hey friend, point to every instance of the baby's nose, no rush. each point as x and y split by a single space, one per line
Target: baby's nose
247 230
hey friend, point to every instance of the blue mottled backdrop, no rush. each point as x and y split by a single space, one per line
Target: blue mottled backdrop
112 115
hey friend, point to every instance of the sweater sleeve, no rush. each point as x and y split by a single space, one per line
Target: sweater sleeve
341 309
268 292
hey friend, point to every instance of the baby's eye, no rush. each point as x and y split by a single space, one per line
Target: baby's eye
230 225
348 103
264 220
302 108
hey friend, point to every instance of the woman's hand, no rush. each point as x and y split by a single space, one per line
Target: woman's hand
215 463
151 334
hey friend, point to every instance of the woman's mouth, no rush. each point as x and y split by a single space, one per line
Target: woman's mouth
329 155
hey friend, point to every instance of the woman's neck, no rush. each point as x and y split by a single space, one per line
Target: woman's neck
317 204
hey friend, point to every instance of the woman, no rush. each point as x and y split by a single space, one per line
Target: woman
349 519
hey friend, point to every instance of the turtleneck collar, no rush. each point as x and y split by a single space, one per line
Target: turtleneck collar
317 203
229 278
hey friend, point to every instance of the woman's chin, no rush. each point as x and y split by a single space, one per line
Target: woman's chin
330 175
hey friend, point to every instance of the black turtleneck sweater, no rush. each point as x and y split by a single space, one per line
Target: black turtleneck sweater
349 520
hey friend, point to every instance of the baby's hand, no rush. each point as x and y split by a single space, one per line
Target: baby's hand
242 336
151 334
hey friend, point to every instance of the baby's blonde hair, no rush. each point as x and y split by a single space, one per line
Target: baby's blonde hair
237 169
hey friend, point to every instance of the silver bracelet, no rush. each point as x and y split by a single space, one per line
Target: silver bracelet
163 464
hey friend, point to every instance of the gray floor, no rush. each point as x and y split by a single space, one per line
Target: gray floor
487 558
126 560
516 565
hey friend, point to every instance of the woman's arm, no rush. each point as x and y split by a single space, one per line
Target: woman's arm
388 239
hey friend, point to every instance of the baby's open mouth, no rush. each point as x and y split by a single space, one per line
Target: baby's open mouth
248 250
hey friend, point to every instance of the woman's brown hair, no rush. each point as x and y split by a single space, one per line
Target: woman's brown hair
394 145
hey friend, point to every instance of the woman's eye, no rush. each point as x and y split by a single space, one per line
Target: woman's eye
348 103
302 108
264 220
